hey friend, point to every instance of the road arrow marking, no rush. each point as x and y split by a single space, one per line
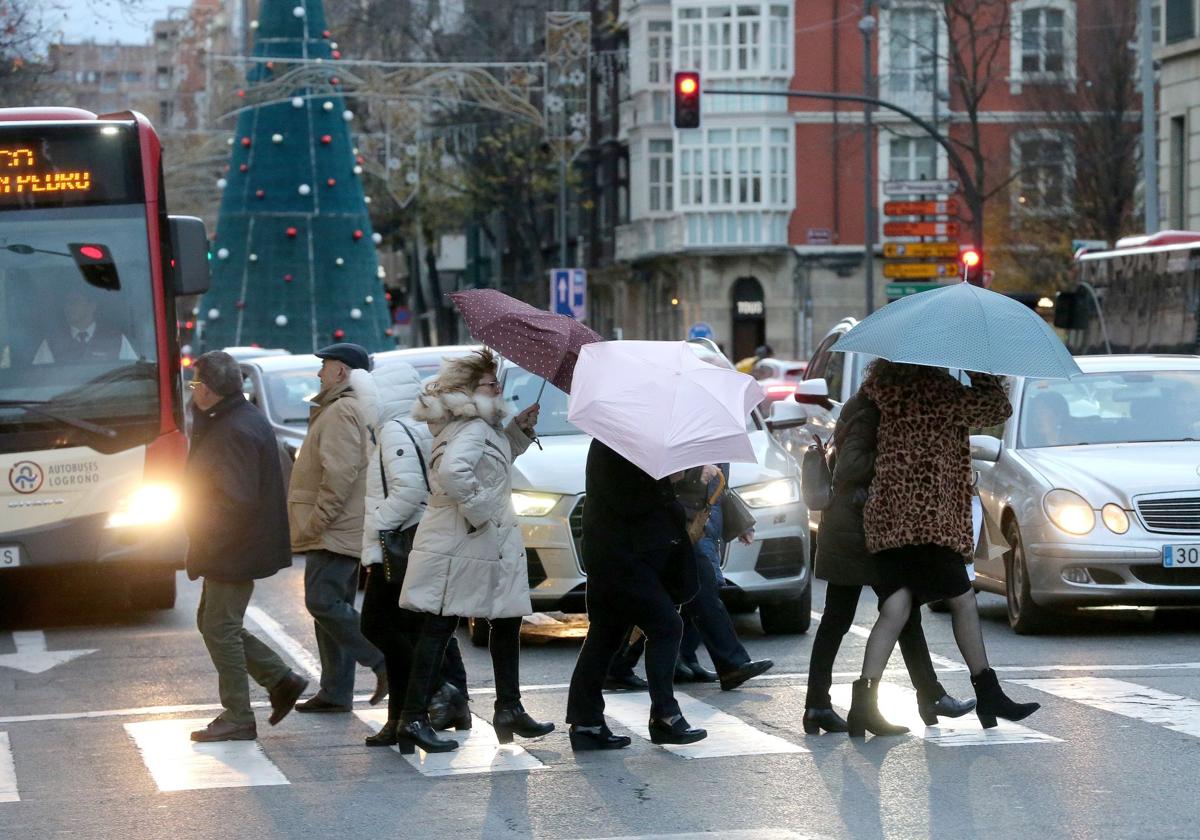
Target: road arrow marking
32 656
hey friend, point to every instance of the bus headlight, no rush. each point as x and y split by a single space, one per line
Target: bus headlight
150 504
1070 512
783 491
526 503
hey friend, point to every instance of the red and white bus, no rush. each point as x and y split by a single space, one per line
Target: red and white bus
91 409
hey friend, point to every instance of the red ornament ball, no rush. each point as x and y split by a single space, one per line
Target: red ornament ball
335 80
241 304
287 278
331 181
242 167
358 159
260 194
337 53
246 142
325 34
291 232
241 93
326 139
358 234
339 334
270 65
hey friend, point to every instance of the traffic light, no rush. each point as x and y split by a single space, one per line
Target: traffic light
971 261
95 263
687 100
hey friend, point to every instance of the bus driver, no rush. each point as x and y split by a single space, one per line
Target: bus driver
80 338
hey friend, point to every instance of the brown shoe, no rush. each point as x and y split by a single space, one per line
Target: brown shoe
223 730
317 703
381 687
284 696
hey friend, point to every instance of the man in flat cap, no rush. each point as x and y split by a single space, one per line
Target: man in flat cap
325 513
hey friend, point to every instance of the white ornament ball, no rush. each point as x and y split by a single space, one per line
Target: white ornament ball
339 261
347 115
223 253
328 106
186 349
354 151
298 11
254 24
356 313
357 169
276 138
214 314
281 320
366 199
195 310
377 238
333 45
253 258
221 183
229 141
369 299
304 189
297 101
380 273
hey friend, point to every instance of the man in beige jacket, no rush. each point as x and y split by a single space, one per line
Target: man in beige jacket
325 515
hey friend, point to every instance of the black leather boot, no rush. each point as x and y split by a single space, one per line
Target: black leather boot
817 719
385 737
944 706
679 732
864 714
449 709
418 733
585 741
993 703
514 720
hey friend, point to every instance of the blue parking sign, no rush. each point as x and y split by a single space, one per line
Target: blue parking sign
568 292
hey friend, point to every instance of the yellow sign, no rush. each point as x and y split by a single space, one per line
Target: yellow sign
29 180
919 271
893 250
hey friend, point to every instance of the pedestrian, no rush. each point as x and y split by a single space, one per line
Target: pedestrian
918 519
325 511
236 517
640 566
468 558
397 487
845 564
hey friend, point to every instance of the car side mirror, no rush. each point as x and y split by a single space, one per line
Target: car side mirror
189 251
814 392
985 448
786 415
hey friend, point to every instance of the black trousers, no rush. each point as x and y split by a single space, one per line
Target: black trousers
649 607
707 614
436 632
395 631
841 602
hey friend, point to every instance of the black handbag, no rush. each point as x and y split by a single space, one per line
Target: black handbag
736 518
397 543
816 481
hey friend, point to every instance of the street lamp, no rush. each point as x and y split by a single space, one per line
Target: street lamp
866 25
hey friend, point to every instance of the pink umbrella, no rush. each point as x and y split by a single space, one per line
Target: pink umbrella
542 342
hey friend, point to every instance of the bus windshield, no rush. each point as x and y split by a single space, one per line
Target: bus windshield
75 358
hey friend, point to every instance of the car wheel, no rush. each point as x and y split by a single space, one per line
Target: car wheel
1024 616
480 631
787 617
153 590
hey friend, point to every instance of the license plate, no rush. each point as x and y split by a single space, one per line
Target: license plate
1181 556
10 556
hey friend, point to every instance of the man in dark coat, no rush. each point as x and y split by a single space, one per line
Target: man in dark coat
640 565
238 533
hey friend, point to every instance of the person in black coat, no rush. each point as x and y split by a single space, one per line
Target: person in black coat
640 566
237 533
844 562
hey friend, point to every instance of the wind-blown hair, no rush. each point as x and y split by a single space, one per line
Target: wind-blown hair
462 373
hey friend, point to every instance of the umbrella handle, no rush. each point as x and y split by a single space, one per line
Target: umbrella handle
538 399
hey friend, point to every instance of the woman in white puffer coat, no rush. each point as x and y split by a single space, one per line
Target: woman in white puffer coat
469 558
397 492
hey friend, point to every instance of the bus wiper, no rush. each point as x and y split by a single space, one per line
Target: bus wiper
36 407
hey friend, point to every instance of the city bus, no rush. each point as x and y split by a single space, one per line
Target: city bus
1141 297
92 446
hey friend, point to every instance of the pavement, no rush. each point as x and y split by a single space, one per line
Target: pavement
96 704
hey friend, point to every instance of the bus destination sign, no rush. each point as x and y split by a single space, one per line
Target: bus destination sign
68 165
22 172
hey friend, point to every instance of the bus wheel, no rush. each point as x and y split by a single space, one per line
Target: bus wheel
153 590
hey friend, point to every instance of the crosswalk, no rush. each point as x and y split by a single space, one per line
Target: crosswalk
173 763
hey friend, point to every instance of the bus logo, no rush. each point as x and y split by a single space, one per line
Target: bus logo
25 477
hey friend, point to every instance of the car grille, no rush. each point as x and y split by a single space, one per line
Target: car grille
1162 576
1171 516
780 558
576 522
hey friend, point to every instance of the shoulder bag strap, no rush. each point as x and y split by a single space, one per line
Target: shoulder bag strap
420 457
382 473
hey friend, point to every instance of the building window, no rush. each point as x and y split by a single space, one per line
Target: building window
690 39
779 170
662 176
779 34
1178 174
1045 167
718 37
733 39
749 165
691 168
658 50
748 29
660 107
724 167
1181 20
1042 43
912 159
720 166
911 39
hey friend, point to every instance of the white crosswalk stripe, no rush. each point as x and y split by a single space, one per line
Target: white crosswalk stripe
727 735
478 750
899 705
1179 714
178 763
8 772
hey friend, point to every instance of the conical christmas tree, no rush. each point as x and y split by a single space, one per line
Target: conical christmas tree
294 261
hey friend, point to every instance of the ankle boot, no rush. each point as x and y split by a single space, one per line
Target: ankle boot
513 719
385 737
416 732
864 713
993 703
817 719
944 706
449 709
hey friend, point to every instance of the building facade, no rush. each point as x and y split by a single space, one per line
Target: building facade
1178 53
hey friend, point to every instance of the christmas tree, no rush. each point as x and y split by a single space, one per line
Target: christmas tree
293 258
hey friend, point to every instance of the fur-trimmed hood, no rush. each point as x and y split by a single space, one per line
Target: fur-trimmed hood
439 410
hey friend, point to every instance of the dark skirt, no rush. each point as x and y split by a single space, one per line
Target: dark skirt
930 572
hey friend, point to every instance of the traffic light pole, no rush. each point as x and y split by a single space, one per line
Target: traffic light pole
867 25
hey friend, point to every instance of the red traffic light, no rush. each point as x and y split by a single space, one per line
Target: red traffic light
687 84
972 266
970 258
687 100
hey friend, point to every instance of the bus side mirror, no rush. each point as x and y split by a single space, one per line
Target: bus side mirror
189 254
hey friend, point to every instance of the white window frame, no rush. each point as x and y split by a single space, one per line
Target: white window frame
1068 205
941 171
712 37
921 100
1069 74
662 187
659 52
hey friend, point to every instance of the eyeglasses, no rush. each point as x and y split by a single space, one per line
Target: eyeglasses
492 384
194 384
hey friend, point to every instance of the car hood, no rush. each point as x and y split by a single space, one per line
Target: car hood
558 467
1119 472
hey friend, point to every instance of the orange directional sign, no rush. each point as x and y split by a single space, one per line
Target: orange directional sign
921 208
920 229
919 271
900 250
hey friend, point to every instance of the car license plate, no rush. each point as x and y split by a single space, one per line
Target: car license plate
10 556
1181 556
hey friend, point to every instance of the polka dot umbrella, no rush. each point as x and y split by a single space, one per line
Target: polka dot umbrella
544 343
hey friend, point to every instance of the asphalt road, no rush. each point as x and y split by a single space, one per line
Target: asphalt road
96 703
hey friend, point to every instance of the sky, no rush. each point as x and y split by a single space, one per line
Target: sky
107 21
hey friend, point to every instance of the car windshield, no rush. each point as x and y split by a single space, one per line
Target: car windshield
1101 408
73 350
521 389
289 393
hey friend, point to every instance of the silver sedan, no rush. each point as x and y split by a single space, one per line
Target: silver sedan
1091 490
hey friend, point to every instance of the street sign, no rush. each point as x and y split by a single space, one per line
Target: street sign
899 290
402 317
700 330
948 207
894 250
819 236
1090 244
943 187
919 270
920 229
568 292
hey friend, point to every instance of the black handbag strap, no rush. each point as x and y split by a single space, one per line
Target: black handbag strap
420 460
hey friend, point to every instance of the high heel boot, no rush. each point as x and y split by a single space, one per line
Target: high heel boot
994 703
418 733
944 706
513 719
385 737
449 709
864 713
817 719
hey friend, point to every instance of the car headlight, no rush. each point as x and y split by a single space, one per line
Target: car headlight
526 503
1115 518
150 504
1069 511
783 491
